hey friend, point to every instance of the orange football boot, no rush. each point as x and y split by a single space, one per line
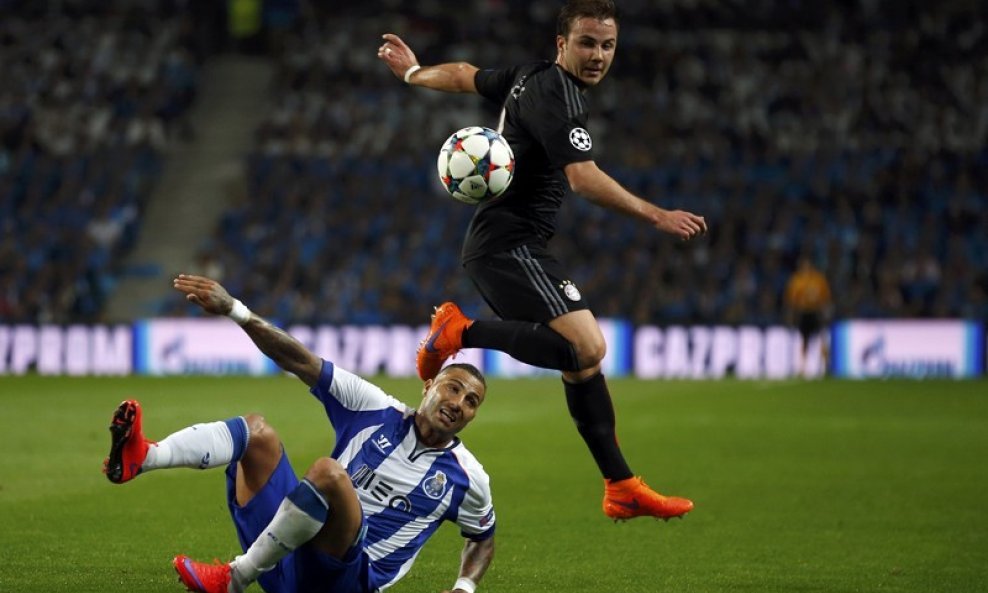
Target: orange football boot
128 447
630 498
202 577
444 340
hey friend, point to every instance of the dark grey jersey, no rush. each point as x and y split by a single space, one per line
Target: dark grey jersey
545 122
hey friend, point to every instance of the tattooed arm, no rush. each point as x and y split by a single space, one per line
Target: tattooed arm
277 344
474 561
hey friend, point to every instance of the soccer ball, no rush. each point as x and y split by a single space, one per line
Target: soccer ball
476 164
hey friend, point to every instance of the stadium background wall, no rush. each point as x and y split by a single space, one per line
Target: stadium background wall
860 349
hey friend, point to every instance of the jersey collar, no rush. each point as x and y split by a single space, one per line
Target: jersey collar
579 83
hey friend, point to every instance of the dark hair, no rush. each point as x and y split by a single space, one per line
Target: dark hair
577 9
468 368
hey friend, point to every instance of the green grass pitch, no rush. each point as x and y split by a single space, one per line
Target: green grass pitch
799 486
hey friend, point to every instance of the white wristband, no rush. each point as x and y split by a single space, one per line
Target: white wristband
465 584
411 70
239 313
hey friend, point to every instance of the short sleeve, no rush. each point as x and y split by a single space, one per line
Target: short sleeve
559 116
345 395
495 83
476 513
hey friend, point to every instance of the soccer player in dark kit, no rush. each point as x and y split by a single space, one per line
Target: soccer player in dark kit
544 320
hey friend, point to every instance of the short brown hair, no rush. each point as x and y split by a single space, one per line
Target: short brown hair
577 9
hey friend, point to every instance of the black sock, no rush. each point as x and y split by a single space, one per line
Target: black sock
590 406
532 343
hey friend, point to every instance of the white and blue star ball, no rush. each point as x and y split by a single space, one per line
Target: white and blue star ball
476 164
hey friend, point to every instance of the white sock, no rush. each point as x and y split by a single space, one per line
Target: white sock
293 525
200 446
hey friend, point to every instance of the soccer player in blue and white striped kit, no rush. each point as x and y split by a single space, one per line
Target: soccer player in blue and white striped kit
357 520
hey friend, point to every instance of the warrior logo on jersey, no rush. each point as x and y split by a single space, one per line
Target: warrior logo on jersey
382 443
580 139
435 485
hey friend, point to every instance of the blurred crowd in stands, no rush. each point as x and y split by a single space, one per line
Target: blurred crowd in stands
852 132
90 95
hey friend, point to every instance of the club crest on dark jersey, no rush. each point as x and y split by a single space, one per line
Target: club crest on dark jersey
434 486
570 290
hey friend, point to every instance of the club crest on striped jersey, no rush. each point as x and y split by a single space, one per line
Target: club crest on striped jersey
434 486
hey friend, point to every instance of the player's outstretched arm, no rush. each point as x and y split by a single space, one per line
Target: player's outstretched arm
588 180
474 561
454 77
287 352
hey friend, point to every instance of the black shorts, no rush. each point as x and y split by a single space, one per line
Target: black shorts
809 323
525 284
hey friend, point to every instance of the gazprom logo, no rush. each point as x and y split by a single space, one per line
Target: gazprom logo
875 362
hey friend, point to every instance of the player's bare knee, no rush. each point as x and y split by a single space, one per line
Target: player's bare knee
262 435
590 353
328 475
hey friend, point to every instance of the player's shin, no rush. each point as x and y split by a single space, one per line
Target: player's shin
201 446
593 413
532 343
299 518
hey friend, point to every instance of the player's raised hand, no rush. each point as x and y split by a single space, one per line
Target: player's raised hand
682 224
205 292
396 54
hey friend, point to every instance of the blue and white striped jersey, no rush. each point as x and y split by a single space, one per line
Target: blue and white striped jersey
405 488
